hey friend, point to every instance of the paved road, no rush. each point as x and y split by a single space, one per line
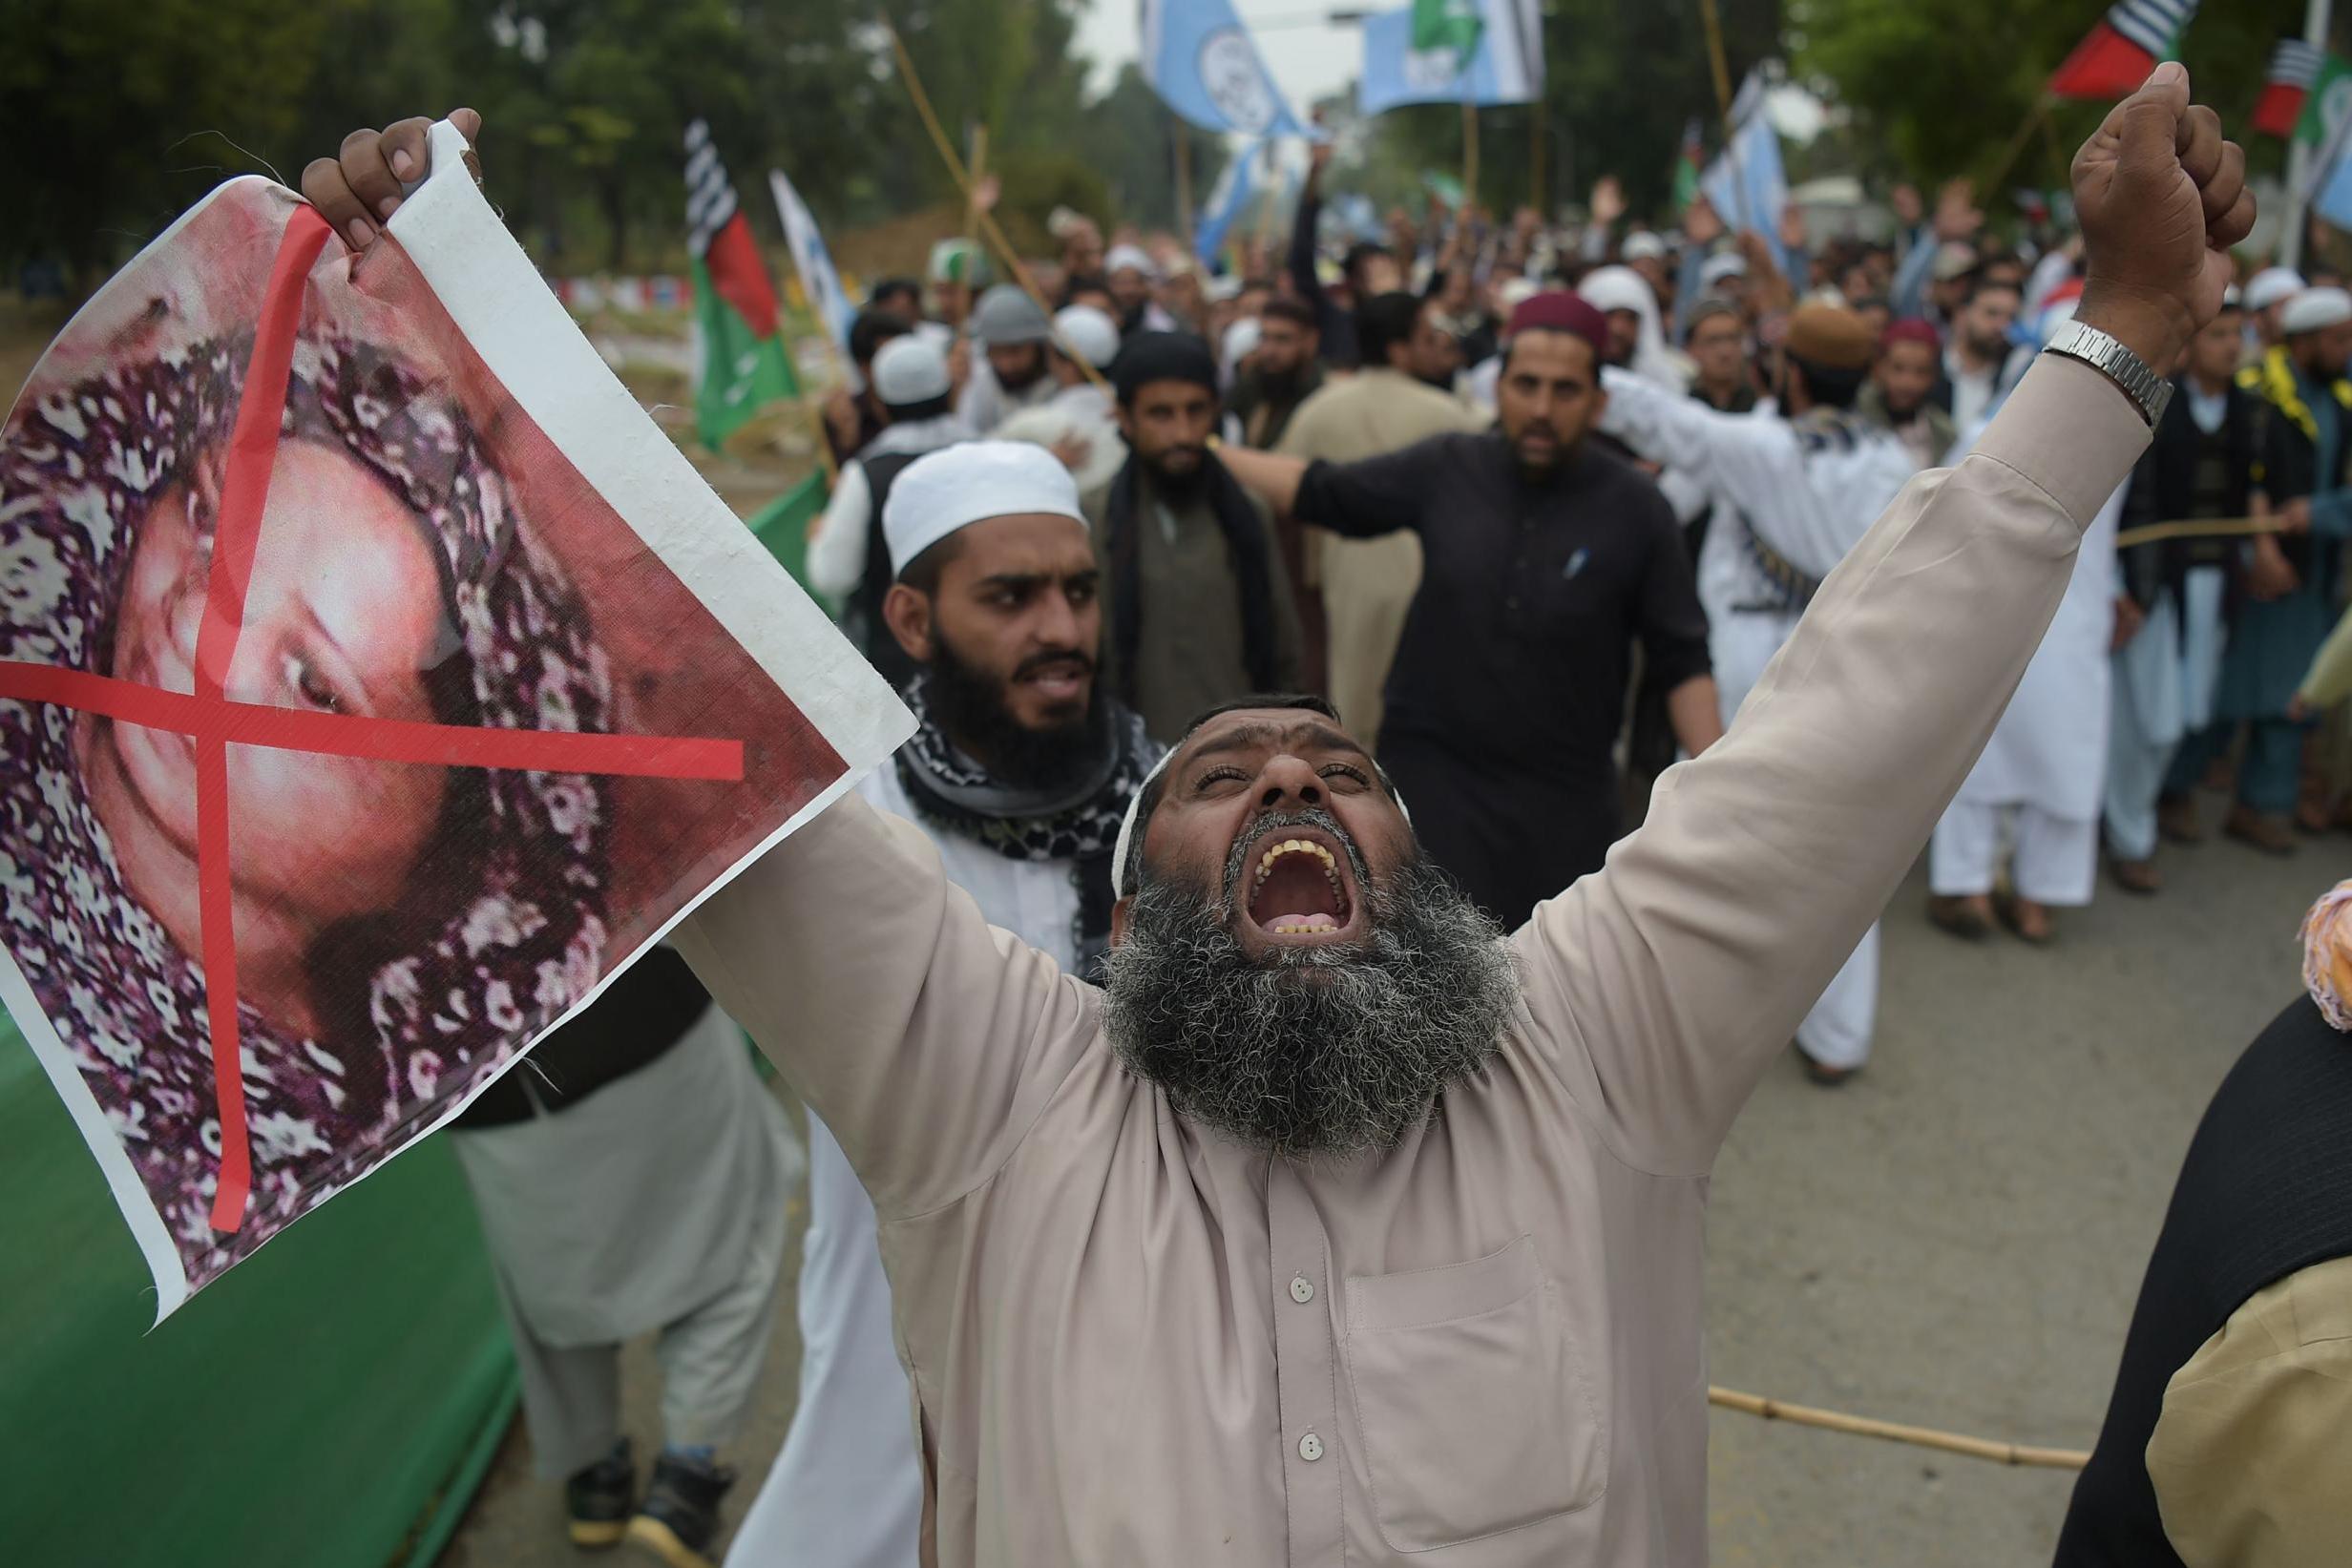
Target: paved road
1954 1240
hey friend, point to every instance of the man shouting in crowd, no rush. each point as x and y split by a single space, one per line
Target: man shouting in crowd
1336 1227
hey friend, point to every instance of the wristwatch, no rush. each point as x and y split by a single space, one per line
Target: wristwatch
2148 391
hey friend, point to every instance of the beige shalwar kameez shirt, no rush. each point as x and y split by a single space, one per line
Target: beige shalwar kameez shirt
1135 1342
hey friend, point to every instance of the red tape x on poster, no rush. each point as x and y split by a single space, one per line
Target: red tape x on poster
375 682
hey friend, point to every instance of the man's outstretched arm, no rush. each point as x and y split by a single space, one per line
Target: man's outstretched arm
1671 979
926 1039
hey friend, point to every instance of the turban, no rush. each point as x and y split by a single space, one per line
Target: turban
1162 356
949 489
1556 310
1830 336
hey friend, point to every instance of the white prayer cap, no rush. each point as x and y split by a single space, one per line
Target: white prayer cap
1086 332
970 482
2272 285
910 369
1125 258
1616 289
2315 309
1516 292
1715 268
1645 246
1241 339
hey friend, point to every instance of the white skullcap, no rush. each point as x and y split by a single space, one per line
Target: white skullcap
1645 246
1122 258
1241 338
1616 289
1087 334
1715 268
1516 292
910 369
970 482
2315 309
2271 286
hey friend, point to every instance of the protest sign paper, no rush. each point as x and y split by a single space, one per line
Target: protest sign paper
376 681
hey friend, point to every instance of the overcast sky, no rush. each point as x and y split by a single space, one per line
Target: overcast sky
1308 60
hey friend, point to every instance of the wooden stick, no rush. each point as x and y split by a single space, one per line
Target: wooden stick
1715 60
2200 528
2017 144
1537 139
1469 156
1975 1448
990 232
979 171
1184 181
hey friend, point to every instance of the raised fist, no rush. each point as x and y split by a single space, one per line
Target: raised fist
2162 197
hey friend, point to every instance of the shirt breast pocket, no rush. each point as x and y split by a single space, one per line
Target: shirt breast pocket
1473 1405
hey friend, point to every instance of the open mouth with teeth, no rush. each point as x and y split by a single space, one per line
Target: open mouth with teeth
1298 888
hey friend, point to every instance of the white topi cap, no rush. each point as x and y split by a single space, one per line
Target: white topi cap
1715 268
1130 258
970 482
2271 286
1087 334
2315 309
1642 245
910 369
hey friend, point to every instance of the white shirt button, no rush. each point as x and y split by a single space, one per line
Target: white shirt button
1302 1289
1310 1448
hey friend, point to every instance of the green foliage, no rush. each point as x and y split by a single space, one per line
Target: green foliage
1130 137
122 113
1939 87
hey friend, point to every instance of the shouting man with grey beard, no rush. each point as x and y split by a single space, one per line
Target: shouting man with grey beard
1280 1252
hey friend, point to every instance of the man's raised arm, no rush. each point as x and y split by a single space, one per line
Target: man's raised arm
926 1039
1671 979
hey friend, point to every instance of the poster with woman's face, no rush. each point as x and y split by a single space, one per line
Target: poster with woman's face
375 680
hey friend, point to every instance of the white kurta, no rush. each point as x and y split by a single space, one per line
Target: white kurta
1810 503
2049 750
847 1491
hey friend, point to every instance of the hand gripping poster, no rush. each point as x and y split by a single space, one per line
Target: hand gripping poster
376 681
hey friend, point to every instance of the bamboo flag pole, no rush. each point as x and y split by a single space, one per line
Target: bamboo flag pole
1714 59
2200 528
1894 1431
1469 156
1184 181
990 231
979 171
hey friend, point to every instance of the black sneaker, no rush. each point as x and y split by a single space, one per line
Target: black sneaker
602 1498
680 1514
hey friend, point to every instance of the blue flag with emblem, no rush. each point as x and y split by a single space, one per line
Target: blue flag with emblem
1204 63
1473 51
1227 200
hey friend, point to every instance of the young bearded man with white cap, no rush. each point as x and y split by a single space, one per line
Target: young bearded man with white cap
1077 422
1021 774
1336 1227
846 557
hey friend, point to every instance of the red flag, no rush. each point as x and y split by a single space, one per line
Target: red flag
2293 67
2122 49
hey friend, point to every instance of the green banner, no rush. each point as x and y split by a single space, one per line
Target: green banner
1456 25
742 373
332 1402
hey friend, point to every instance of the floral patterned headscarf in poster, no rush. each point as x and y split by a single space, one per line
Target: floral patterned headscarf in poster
437 996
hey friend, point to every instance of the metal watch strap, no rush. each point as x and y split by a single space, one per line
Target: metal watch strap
2148 391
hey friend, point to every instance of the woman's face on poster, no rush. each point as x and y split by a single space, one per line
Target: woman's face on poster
342 615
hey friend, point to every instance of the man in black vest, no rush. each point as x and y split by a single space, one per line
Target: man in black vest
2229 1439
2171 617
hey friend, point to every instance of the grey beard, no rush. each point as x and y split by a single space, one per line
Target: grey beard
1320 1049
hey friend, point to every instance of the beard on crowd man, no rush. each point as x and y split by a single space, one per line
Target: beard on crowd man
1400 332
1907 368
1287 342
